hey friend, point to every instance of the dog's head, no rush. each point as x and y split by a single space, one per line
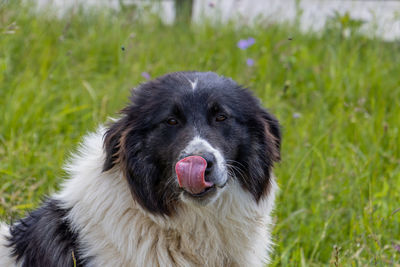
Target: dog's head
186 135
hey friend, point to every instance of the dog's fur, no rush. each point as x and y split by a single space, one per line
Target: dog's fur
122 205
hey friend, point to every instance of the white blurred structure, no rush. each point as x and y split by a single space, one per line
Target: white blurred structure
382 17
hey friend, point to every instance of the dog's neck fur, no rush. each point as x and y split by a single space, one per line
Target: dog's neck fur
116 231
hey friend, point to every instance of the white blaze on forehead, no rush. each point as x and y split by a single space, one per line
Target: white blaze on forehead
193 83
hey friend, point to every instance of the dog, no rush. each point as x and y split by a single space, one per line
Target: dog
183 177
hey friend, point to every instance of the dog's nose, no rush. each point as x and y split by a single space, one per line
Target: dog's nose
210 159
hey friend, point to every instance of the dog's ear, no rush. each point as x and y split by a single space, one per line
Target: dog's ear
112 144
258 156
273 134
123 147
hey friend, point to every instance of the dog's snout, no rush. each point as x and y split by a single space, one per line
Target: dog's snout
214 168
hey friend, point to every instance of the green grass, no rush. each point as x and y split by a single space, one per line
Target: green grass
340 169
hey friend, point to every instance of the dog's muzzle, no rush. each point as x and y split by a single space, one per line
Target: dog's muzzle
200 169
194 173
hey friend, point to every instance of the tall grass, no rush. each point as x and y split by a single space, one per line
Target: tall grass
337 97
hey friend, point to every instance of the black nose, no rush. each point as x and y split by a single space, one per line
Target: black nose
210 159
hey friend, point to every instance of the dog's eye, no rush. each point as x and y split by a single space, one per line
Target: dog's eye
220 118
172 121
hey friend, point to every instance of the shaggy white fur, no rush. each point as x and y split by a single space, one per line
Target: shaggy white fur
5 259
114 230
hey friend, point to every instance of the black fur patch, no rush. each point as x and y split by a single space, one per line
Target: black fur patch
44 238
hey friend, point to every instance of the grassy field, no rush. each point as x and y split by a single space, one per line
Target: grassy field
337 97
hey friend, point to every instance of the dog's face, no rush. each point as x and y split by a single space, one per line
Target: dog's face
186 135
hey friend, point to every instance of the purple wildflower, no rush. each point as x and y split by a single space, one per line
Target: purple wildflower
250 41
245 43
396 247
250 62
296 115
146 75
211 4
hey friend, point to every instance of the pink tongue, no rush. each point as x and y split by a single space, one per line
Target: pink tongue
190 172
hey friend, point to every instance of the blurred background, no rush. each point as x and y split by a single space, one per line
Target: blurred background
328 69
381 17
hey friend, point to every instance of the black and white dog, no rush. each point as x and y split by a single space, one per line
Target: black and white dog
182 178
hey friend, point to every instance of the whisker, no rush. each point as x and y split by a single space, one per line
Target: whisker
234 170
236 162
